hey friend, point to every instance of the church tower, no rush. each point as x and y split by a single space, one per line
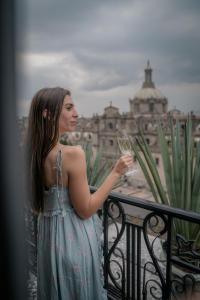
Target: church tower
148 100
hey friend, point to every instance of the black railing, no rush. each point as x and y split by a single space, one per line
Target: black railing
145 256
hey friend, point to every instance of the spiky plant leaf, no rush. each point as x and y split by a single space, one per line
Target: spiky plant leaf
166 164
181 164
145 170
97 170
150 162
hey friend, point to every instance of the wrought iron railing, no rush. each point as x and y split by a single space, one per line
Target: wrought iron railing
144 258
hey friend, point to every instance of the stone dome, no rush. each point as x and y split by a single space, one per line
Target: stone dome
149 93
149 99
148 90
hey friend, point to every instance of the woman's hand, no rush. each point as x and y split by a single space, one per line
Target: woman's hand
122 164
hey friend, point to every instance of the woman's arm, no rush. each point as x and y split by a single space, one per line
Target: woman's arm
85 203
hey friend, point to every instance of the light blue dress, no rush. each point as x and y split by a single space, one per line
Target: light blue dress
69 249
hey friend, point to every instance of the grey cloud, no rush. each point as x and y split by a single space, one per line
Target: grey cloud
112 39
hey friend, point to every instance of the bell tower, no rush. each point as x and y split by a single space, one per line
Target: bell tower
148 100
148 83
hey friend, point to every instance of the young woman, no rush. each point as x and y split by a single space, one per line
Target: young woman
69 254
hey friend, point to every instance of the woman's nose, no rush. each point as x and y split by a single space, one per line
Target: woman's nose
75 113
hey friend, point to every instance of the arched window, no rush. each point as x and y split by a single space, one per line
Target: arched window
151 107
110 125
136 108
197 129
182 126
169 143
148 141
111 142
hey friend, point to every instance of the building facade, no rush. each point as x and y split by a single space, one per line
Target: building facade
147 107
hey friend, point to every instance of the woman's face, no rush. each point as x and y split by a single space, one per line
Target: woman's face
68 116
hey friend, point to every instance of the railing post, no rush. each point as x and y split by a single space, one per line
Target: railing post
128 262
105 243
133 263
167 291
138 263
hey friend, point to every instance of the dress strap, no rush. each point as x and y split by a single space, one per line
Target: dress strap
59 176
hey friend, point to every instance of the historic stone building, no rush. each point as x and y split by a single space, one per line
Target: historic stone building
147 107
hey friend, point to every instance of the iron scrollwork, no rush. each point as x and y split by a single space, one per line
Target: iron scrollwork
184 279
157 224
115 260
184 285
186 250
151 286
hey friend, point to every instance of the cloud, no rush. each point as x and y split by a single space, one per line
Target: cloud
180 96
98 47
23 107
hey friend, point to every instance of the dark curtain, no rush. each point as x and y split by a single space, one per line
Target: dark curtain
12 192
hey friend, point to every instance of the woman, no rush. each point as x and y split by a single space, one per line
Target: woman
69 254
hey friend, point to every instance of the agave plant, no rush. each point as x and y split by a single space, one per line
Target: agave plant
181 164
97 170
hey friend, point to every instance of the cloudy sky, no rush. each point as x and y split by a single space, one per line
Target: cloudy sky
99 49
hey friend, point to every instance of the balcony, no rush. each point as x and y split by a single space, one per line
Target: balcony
143 258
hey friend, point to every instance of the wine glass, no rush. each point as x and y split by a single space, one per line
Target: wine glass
125 148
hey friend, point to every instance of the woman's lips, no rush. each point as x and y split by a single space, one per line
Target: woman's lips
73 123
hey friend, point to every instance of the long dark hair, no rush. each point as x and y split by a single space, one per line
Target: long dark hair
42 136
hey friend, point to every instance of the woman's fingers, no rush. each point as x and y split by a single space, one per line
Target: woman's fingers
124 162
127 160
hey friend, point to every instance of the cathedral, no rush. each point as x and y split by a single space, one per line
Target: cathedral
147 107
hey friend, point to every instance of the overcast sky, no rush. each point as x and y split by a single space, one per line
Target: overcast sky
99 48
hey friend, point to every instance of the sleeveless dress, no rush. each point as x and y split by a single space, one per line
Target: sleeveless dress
69 249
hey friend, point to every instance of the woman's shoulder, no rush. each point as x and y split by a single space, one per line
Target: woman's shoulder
72 151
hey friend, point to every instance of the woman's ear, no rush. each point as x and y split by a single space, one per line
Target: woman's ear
44 113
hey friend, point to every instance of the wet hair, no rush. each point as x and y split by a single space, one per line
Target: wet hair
42 136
